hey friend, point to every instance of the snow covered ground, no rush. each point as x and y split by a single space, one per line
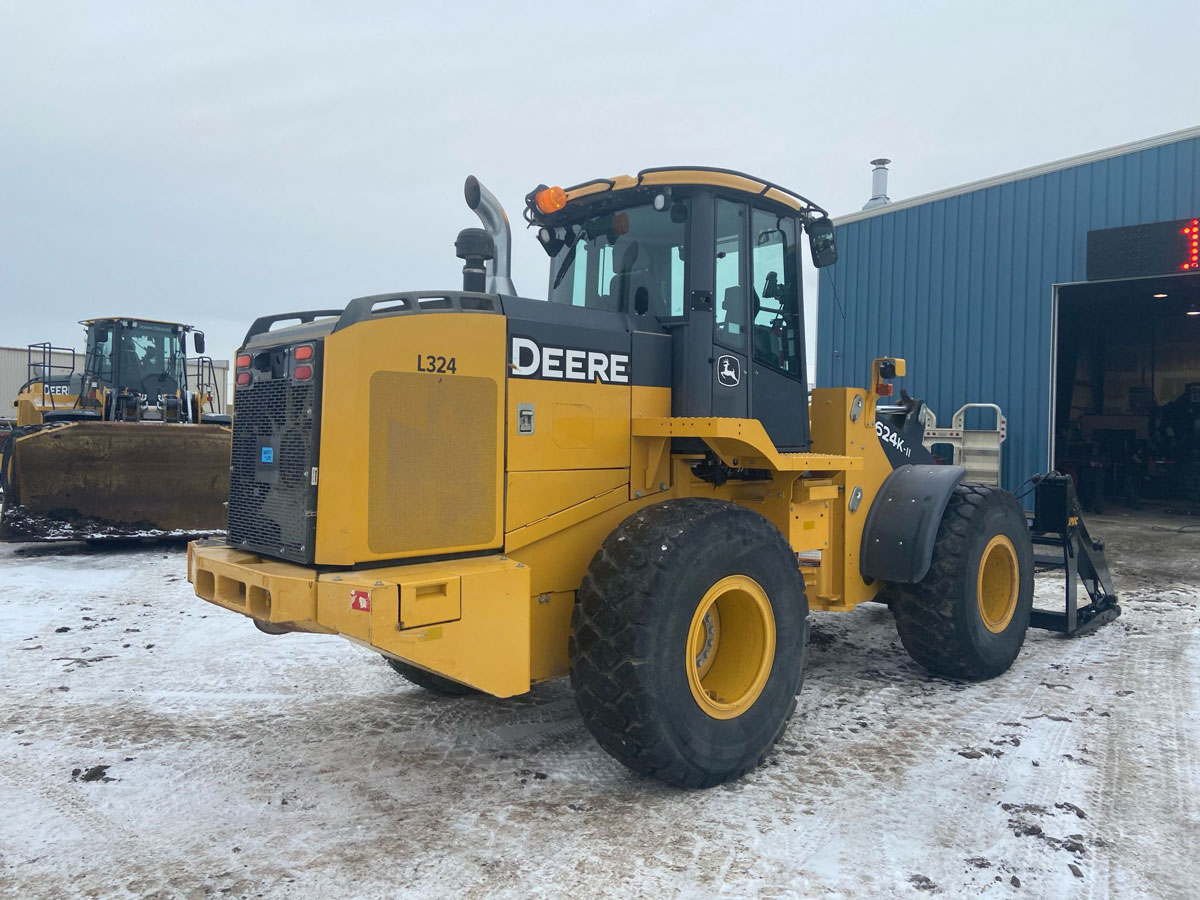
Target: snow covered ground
244 765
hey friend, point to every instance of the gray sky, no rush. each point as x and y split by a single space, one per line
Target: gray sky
212 162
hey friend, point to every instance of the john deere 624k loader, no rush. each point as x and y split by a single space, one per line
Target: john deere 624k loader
627 484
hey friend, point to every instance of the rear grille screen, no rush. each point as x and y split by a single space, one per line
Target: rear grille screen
272 501
432 463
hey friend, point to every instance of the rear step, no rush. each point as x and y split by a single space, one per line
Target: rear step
1058 522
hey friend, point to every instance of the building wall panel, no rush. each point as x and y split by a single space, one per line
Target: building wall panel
962 286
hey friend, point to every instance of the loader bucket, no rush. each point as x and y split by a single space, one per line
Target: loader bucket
90 480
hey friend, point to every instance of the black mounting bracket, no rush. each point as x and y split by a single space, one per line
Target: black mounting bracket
1058 523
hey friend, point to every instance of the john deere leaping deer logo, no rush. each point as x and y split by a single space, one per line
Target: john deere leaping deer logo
729 371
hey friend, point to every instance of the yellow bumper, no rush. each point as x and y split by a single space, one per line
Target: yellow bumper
465 619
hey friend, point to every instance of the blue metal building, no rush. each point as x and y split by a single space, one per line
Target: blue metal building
964 283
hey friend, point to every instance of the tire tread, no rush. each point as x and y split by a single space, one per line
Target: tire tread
607 644
436 684
926 613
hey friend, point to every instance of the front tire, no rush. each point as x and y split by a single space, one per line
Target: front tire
968 616
688 641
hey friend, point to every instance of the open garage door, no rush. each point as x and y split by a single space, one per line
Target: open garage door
1126 415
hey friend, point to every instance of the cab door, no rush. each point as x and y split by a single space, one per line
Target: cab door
739 349
730 350
778 382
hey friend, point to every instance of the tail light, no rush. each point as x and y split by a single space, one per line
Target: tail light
302 355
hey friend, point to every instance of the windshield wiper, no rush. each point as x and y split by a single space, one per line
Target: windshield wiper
568 259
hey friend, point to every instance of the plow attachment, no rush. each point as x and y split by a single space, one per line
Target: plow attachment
1058 523
94 480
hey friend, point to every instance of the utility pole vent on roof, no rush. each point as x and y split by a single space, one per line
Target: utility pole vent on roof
879 177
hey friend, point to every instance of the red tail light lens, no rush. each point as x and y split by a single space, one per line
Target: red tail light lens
304 351
243 379
243 361
303 373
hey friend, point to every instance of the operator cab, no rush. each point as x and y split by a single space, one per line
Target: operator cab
142 362
708 256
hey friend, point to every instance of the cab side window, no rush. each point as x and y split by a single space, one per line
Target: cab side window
775 295
101 339
729 296
630 260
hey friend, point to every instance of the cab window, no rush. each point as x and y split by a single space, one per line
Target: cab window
100 344
730 312
630 260
775 295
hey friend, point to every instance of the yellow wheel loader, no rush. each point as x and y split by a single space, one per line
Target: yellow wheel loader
627 484
130 445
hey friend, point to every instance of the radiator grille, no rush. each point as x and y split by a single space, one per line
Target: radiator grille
272 504
432 463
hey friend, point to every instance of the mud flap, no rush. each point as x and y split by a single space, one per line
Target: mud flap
898 537
115 479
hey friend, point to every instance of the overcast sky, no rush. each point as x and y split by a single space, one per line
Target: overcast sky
212 162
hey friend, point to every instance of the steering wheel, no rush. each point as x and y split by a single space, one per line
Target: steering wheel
159 384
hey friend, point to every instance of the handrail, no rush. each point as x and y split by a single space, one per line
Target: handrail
361 308
263 323
47 365
202 362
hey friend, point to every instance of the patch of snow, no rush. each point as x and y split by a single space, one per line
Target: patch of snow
301 766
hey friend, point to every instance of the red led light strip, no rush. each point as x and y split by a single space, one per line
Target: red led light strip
1192 232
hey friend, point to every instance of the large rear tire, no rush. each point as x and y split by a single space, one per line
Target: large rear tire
435 683
688 641
968 617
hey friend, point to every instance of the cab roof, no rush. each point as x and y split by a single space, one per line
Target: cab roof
134 319
698 175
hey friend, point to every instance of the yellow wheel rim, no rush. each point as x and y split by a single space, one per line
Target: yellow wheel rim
998 585
730 647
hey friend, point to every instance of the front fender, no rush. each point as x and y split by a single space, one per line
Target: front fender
897 541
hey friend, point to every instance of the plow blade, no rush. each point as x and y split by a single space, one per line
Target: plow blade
90 480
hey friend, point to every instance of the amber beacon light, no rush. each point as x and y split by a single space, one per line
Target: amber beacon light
550 199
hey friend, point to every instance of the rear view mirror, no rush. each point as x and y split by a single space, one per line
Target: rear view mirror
821 243
198 340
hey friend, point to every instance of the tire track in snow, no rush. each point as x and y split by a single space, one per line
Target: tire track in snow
227 723
1167 672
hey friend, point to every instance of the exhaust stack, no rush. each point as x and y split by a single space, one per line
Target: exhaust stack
484 204
879 176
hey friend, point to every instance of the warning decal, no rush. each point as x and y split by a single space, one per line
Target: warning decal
360 600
